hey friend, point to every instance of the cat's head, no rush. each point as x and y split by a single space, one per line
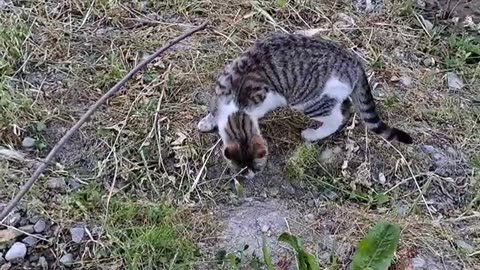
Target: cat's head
244 148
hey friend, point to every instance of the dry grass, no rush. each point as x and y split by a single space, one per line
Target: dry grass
65 55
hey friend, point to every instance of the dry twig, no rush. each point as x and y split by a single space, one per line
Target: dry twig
87 115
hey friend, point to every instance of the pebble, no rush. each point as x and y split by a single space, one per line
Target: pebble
67 260
406 81
265 228
14 219
28 142
16 252
310 217
430 61
428 25
465 246
8 235
30 241
77 234
57 184
40 226
42 262
454 82
344 21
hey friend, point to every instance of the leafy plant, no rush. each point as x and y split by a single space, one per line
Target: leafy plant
305 260
376 250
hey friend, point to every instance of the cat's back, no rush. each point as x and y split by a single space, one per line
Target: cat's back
301 47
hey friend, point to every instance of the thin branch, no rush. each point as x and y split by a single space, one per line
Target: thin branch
87 115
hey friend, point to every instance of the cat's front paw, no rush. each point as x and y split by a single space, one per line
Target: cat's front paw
207 124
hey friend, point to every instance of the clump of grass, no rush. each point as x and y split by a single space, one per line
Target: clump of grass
15 106
304 157
148 236
142 234
463 51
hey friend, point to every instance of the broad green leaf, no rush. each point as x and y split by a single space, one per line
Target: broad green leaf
376 250
267 258
305 260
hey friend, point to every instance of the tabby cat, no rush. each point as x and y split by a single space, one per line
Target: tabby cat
310 75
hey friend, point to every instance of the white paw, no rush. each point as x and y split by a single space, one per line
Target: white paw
207 124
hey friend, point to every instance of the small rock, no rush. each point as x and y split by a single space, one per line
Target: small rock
337 150
75 184
265 228
420 3
42 262
428 62
77 234
57 184
381 178
326 154
344 21
14 219
428 25
67 260
30 241
28 142
8 235
310 217
465 246
34 219
406 81
27 229
16 252
454 82
40 226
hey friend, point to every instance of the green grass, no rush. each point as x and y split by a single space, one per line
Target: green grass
141 234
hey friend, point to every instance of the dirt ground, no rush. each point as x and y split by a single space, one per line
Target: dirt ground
140 188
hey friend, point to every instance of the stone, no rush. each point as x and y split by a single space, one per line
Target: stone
16 252
42 262
406 81
67 260
8 235
310 217
454 82
428 62
58 184
77 234
27 229
40 226
14 219
28 142
427 24
465 246
265 228
30 241
344 21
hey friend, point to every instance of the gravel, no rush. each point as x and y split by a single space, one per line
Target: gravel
16 252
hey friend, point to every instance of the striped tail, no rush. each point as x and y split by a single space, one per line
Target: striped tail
363 100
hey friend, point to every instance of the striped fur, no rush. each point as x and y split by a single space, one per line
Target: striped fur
314 76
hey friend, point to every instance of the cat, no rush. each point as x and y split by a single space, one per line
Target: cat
308 74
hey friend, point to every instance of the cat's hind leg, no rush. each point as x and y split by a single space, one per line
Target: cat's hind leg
333 120
207 124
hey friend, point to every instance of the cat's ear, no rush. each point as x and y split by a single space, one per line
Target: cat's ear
259 146
232 150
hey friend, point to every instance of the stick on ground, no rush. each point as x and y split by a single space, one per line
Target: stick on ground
87 115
